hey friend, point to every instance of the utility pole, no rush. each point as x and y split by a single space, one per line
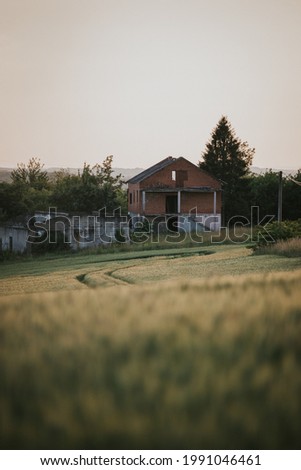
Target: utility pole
280 198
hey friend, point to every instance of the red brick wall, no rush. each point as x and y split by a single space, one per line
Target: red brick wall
155 203
135 196
196 177
202 201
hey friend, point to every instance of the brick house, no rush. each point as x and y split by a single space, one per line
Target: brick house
178 192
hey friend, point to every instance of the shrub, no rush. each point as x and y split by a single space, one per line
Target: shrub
59 244
120 236
279 231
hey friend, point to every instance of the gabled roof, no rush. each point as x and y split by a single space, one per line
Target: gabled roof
150 171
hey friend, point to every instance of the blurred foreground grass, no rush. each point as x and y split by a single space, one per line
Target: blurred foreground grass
187 364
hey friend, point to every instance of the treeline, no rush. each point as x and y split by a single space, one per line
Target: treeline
95 187
262 191
31 189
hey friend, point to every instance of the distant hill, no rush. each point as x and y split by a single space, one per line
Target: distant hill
128 173
260 171
5 175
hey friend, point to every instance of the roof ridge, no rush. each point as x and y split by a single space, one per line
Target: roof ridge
151 170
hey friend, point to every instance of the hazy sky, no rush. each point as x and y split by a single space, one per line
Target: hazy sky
145 79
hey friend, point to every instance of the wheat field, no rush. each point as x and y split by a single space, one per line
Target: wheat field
175 356
73 273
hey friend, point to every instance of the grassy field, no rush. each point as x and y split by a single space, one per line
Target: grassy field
186 349
137 267
290 248
65 272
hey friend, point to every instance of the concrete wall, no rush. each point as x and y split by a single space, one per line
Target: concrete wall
190 223
82 231
86 230
92 231
186 222
13 239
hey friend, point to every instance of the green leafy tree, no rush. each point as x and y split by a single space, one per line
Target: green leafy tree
292 197
228 158
264 193
12 201
29 190
114 194
31 175
75 193
91 189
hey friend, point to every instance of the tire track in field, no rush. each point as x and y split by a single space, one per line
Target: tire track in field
101 278
109 278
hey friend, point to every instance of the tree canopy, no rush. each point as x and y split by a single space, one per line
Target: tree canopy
93 188
31 174
229 159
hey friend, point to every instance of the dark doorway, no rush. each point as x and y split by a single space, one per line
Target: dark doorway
171 204
172 224
10 244
181 177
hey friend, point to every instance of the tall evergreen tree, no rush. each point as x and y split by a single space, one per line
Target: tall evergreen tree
228 158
